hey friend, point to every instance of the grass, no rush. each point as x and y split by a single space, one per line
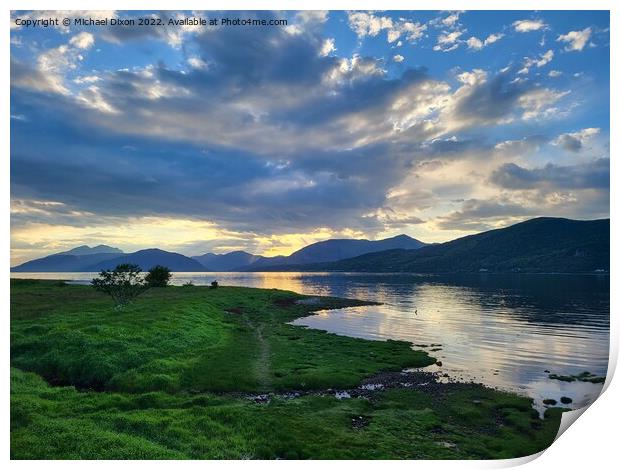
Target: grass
161 379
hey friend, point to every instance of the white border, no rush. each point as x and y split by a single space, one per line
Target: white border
592 443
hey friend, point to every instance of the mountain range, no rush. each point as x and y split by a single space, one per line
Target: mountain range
543 244
86 259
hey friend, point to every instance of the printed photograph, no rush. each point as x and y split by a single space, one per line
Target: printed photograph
306 234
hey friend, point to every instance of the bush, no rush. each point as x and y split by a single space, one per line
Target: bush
123 283
214 285
158 276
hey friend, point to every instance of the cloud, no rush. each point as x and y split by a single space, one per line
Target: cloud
411 31
328 46
542 60
590 175
448 41
367 24
479 215
267 134
197 63
485 101
554 73
451 19
52 65
537 103
174 34
525 26
25 76
82 40
477 44
521 147
576 40
574 141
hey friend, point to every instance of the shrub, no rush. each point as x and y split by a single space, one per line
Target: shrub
158 276
214 285
123 283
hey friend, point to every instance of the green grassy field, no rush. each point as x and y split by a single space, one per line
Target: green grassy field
165 376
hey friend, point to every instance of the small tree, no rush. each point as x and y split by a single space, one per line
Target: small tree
158 276
124 283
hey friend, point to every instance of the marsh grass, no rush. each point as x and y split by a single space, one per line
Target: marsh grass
161 379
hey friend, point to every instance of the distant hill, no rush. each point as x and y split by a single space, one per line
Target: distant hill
226 262
146 259
76 259
86 250
337 249
62 263
84 258
538 245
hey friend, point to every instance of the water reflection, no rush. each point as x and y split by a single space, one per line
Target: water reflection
501 330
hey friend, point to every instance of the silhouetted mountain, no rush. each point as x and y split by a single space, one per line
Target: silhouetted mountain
226 262
84 258
146 259
63 263
86 250
538 245
337 249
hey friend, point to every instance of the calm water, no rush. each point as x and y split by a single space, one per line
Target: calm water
501 330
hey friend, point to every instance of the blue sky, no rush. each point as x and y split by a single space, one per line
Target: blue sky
339 124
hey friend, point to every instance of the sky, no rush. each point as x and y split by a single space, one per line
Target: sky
336 124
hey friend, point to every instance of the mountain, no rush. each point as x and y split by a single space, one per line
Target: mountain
62 263
538 245
76 260
146 259
226 262
84 258
337 249
86 250
543 244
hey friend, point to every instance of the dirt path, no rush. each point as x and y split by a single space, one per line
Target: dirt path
262 365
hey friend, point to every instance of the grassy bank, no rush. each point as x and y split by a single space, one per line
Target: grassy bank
162 379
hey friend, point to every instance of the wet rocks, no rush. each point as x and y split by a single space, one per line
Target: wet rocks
583 377
262 398
566 400
447 445
359 422
549 401
372 387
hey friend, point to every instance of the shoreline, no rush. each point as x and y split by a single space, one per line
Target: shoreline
248 365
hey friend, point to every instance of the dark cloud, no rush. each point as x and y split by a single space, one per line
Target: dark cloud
266 136
575 141
490 100
93 171
570 143
590 175
478 215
